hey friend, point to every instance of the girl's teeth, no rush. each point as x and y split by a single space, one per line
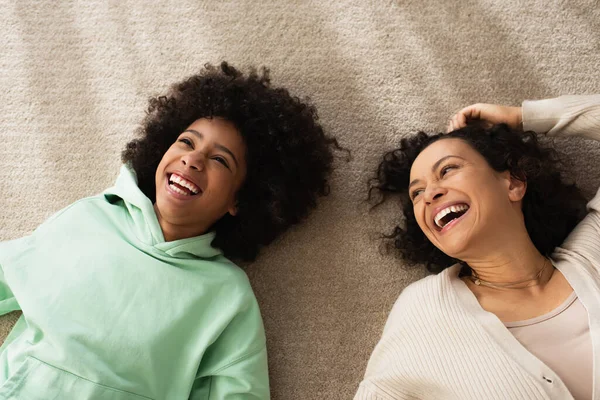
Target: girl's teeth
176 189
185 183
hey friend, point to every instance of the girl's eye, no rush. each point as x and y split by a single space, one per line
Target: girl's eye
186 141
221 160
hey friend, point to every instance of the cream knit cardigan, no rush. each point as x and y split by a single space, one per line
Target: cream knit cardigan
438 343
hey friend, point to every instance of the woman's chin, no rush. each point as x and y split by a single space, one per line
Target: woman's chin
455 249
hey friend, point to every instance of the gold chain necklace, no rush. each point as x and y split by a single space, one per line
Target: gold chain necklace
480 282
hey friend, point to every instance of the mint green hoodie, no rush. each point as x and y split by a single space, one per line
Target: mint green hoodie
112 311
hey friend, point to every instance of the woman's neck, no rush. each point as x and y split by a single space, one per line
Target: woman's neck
516 262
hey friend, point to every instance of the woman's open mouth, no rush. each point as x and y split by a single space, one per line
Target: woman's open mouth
446 217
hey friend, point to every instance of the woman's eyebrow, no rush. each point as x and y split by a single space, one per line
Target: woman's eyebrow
217 145
435 166
441 160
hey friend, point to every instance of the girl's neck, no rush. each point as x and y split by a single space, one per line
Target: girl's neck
172 231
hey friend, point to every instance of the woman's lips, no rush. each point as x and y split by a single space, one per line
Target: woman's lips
451 224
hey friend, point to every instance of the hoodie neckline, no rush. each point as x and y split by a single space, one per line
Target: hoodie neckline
146 225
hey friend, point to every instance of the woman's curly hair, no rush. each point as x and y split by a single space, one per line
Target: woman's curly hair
551 207
289 157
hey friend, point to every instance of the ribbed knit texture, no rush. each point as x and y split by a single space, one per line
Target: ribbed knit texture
438 343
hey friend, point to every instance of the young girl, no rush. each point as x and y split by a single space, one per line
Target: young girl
130 294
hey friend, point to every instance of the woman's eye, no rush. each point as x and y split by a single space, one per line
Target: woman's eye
186 141
416 193
447 168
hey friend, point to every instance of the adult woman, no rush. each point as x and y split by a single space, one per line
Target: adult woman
506 321
129 294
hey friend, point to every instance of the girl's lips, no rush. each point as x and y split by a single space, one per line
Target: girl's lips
450 224
175 194
181 175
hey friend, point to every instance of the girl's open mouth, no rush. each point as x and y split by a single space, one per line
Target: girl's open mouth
182 186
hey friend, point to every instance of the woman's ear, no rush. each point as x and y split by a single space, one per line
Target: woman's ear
516 188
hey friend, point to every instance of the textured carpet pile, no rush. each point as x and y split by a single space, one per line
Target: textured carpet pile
75 77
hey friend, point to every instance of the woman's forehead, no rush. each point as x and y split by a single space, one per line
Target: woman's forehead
438 150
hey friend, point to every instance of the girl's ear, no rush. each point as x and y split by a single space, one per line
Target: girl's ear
233 209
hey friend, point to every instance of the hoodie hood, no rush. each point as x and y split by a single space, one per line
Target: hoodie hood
145 222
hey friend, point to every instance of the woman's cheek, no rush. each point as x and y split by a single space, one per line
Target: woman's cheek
421 220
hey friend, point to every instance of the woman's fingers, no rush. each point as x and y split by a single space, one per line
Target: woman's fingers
459 120
491 113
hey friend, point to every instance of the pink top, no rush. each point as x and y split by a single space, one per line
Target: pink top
561 339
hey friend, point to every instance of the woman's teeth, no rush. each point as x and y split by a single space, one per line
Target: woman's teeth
457 209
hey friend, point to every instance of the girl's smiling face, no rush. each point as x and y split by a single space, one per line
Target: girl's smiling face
461 204
198 178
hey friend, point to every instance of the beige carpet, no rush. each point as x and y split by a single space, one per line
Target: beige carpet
75 77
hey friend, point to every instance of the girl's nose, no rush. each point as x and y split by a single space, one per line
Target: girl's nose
194 160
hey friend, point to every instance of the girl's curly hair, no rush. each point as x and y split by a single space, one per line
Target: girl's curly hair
551 207
289 157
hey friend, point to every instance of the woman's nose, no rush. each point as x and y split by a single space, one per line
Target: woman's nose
434 193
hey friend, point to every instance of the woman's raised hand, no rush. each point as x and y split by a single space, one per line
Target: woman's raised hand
490 113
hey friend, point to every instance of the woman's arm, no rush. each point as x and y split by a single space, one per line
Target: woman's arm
561 116
564 116
569 116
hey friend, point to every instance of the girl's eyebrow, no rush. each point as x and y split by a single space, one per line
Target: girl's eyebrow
435 166
217 145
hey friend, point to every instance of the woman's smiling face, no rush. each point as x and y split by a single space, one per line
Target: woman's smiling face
199 176
461 203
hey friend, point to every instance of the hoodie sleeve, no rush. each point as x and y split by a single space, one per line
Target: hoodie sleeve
235 366
10 250
243 380
8 302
